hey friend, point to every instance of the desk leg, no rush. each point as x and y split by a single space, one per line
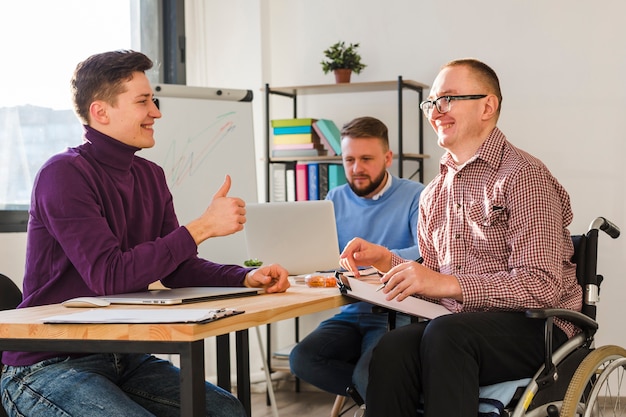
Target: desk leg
243 369
222 345
192 380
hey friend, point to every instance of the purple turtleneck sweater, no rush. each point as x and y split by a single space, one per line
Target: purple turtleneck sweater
102 222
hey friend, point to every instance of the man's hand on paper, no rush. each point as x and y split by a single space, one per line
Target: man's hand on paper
360 252
411 278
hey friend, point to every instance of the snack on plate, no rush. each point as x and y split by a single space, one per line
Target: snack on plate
313 280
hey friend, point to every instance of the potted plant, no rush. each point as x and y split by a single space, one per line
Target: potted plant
342 59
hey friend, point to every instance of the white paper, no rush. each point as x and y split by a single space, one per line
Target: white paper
142 315
411 305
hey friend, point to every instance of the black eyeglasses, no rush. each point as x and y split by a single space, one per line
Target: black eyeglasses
443 103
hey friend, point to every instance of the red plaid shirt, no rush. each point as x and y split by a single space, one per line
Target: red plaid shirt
498 223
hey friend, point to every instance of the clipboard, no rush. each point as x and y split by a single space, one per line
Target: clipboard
365 291
143 315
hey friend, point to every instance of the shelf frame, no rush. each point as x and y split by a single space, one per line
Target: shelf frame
399 85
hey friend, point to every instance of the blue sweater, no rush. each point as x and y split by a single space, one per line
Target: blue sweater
102 222
390 221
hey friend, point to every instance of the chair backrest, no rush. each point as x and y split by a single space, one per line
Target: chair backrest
10 294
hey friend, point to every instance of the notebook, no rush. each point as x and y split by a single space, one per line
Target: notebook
299 235
367 290
180 295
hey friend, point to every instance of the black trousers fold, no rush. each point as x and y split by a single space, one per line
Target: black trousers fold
444 361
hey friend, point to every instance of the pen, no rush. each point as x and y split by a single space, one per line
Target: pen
418 260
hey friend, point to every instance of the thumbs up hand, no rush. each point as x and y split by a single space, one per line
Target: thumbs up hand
224 216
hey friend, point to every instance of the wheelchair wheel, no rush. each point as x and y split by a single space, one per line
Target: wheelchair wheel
596 387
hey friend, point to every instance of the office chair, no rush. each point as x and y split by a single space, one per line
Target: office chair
10 294
10 298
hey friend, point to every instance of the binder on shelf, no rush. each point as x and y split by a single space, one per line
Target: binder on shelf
290 181
336 176
313 179
302 182
332 134
279 182
322 174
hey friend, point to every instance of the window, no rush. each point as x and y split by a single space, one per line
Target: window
42 41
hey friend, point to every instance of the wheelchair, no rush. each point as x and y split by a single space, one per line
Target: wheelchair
577 379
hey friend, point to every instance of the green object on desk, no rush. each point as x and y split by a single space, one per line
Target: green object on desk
253 262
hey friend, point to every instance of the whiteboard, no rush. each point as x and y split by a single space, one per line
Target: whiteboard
204 134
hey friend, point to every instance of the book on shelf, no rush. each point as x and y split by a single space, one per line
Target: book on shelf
288 153
289 130
302 182
291 146
295 138
279 182
324 141
336 176
331 132
313 179
292 122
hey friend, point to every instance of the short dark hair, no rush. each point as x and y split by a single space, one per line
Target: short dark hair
485 74
366 127
100 77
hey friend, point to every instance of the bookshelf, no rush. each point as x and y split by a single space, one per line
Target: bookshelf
397 86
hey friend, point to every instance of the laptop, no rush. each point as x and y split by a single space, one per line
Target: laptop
301 236
180 295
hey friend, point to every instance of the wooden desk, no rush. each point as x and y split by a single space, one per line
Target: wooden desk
23 330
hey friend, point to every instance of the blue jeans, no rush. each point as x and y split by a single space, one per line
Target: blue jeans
107 385
337 353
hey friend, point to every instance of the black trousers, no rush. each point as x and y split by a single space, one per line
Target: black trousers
445 361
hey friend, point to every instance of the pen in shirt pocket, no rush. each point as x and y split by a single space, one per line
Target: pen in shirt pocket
418 260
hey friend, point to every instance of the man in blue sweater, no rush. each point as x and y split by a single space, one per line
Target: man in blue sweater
378 207
102 222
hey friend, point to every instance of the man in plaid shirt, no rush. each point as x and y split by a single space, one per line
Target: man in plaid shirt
494 238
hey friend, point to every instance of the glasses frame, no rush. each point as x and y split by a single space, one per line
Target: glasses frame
436 102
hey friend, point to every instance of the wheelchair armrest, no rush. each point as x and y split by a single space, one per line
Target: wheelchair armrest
589 326
579 319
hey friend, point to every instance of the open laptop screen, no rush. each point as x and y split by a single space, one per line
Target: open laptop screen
301 235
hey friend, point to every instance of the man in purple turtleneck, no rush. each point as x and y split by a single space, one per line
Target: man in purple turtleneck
102 222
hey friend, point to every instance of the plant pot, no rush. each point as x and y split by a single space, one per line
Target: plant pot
342 75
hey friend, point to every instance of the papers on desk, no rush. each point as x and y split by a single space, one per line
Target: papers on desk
143 315
413 306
